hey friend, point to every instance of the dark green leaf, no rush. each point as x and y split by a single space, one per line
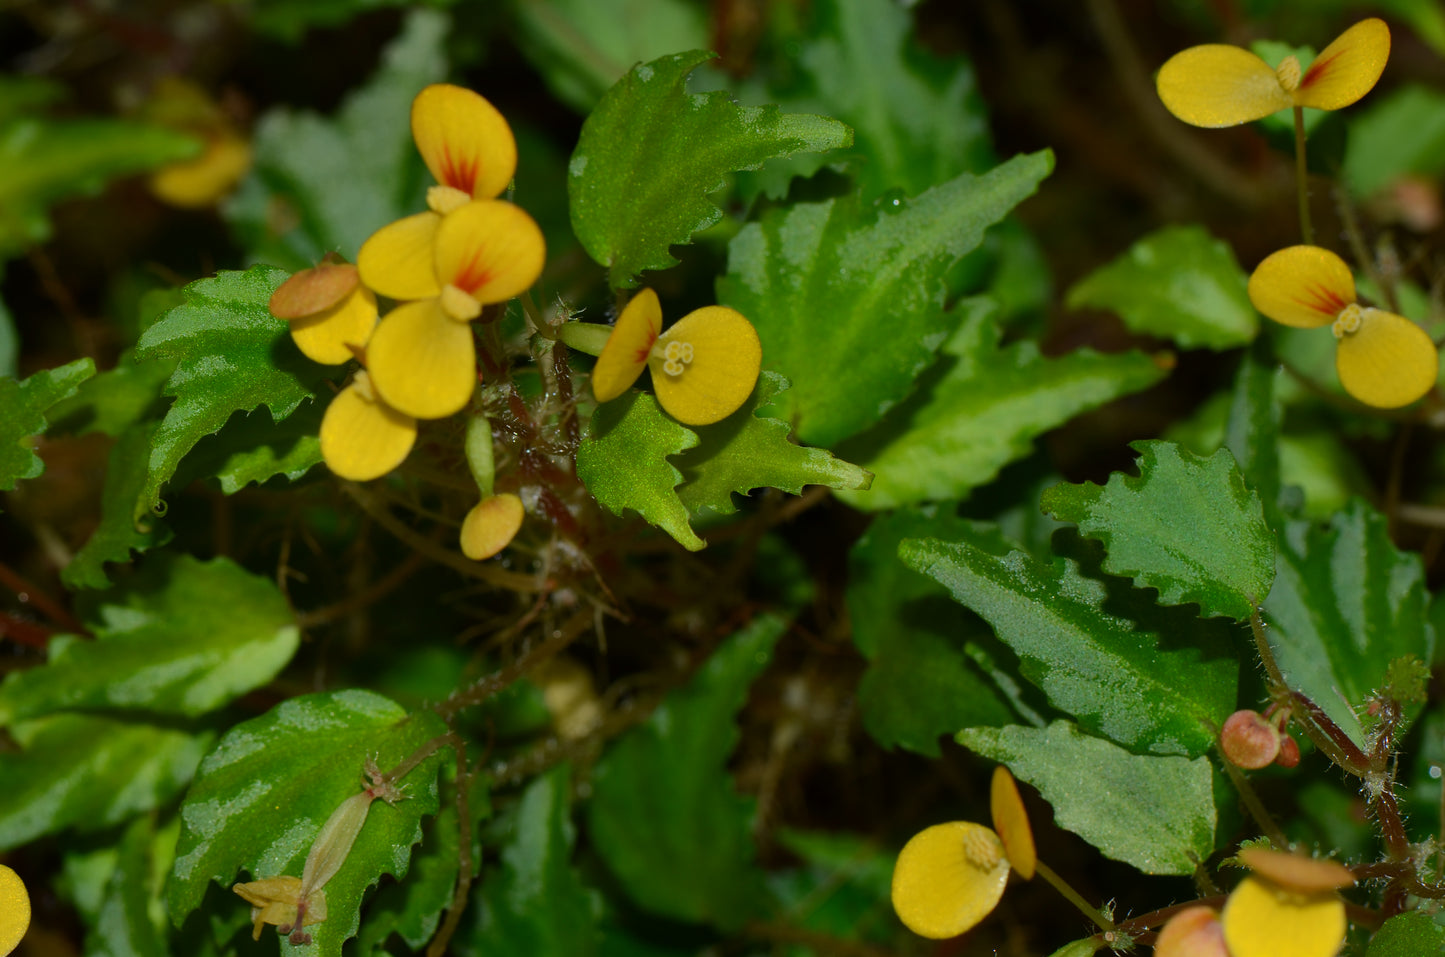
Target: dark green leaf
9 342
1149 692
113 401
261 796
291 21
980 408
1401 133
665 816
746 451
255 448
90 772
119 532
1187 526
650 154
1345 604
412 908
842 888
129 920
183 638
1156 813
233 356
1179 283
1411 934
1251 432
623 462
835 285
23 408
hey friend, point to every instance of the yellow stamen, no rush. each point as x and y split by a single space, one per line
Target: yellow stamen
459 305
1288 72
1348 321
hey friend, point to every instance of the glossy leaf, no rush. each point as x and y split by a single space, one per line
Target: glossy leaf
252 448
1152 693
183 638
1179 283
119 532
1407 935
1225 562
651 152
837 285
746 451
412 909
90 772
980 408
111 402
1156 813
1345 604
23 408
623 462
260 798
685 850
232 356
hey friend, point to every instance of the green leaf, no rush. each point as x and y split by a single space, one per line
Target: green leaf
260 798
411 909
980 408
128 921
1156 813
322 185
1251 433
664 814
1345 604
1079 948
115 400
1399 134
232 356
119 532
90 772
48 160
1187 526
252 448
1179 283
9 341
537 904
183 638
650 154
1151 692
842 888
837 285
1411 934
923 679
746 451
918 120
623 462
291 21
23 407
583 47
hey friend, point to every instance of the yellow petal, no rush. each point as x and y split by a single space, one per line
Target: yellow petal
491 525
1217 85
1296 871
1302 286
489 249
14 910
1262 919
423 362
625 355
1193 932
465 142
1347 69
726 358
205 180
313 290
1389 362
948 878
329 335
1011 822
363 438
398 261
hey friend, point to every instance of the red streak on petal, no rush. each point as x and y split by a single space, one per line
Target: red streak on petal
1318 69
458 174
473 275
644 352
1322 300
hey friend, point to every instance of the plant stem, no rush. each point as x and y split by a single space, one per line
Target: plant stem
1073 897
1256 807
1301 168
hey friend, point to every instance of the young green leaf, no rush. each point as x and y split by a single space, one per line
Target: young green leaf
623 462
837 285
1225 561
1150 692
980 408
90 772
119 532
1156 813
1345 605
650 154
183 638
664 814
233 356
260 798
1179 283
23 408
747 451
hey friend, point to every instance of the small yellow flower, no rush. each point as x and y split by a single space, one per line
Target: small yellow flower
703 368
225 155
1289 907
491 525
1012 823
362 437
331 313
278 900
1217 85
1384 360
14 910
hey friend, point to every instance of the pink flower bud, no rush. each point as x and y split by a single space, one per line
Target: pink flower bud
1249 741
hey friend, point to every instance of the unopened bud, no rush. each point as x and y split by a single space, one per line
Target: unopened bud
1193 932
1288 755
1249 741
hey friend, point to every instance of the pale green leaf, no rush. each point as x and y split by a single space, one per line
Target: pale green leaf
1401 133
23 410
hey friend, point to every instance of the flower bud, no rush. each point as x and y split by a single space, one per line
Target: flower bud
1193 932
1288 755
1248 740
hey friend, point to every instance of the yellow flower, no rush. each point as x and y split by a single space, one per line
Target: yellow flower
14 910
703 368
1012 823
1218 85
1289 907
278 900
331 313
491 525
225 155
1384 360
362 437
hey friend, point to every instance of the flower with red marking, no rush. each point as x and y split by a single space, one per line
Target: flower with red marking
1384 360
1217 85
